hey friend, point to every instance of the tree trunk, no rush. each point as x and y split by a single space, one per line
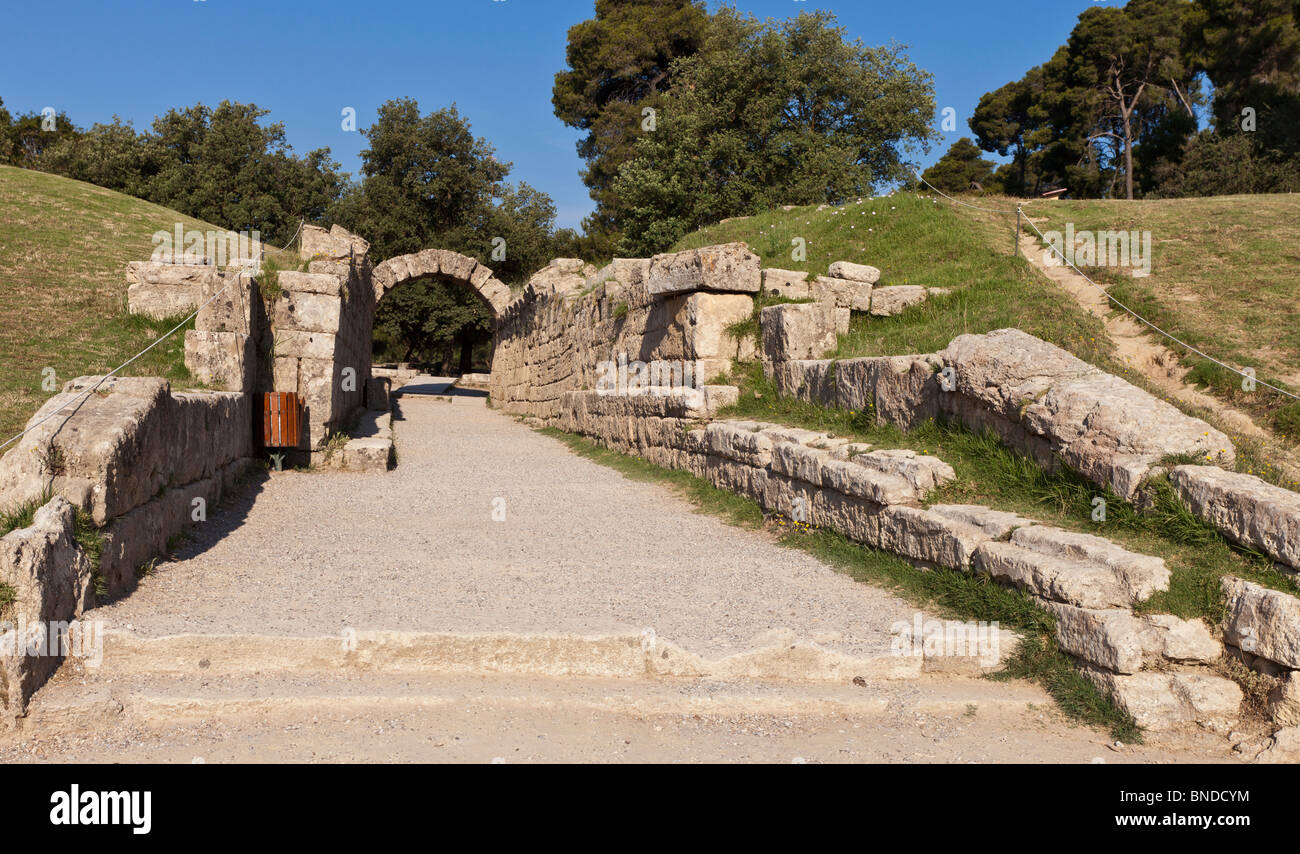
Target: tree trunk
466 355
1128 158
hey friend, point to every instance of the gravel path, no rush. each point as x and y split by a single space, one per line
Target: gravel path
581 550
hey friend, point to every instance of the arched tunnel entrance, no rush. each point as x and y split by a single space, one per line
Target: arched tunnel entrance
437 308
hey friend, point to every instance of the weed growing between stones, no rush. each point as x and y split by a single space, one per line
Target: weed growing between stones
953 594
22 515
91 540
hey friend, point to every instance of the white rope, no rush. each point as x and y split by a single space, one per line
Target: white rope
958 201
1139 317
1104 292
242 270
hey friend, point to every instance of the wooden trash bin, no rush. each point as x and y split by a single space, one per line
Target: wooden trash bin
281 420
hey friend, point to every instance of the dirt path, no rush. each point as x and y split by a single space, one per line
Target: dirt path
389 617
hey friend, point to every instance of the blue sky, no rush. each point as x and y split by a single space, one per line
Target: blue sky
307 61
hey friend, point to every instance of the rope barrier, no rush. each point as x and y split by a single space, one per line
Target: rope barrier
245 268
1171 337
1108 296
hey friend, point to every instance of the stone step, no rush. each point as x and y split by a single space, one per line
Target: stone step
145 699
1072 568
377 717
609 656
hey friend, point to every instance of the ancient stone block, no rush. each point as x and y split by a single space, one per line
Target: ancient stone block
1163 701
327 284
887 302
854 272
1076 569
1262 622
725 268
797 331
843 293
791 284
1245 508
221 360
51 580
704 320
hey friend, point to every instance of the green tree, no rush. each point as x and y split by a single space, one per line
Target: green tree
619 63
1014 120
26 138
960 169
108 155
1127 78
223 165
429 182
432 321
1250 50
767 114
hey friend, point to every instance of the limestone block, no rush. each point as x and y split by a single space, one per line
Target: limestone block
327 284
161 301
291 343
704 320
797 331
221 360
1164 701
1076 569
337 244
844 293
1284 700
887 302
1262 622
742 441
51 580
1110 431
791 284
1245 508
854 272
922 472
727 268
307 312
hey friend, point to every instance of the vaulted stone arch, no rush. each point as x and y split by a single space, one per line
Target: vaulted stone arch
450 265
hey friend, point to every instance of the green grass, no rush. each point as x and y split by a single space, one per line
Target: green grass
64 247
22 516
946 592
915 241
990 473
1225 278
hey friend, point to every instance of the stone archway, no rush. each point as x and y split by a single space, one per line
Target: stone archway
449 265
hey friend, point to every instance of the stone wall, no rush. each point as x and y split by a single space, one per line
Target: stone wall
1037 397
141 462
323 322
1163 670
1158 668
671 312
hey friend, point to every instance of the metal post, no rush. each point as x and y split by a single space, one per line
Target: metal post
1017 241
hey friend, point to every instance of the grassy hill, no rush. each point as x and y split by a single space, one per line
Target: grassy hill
916 241
64 246
1225 278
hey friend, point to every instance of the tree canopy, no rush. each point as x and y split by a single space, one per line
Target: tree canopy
771 113
1118 109
619 64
